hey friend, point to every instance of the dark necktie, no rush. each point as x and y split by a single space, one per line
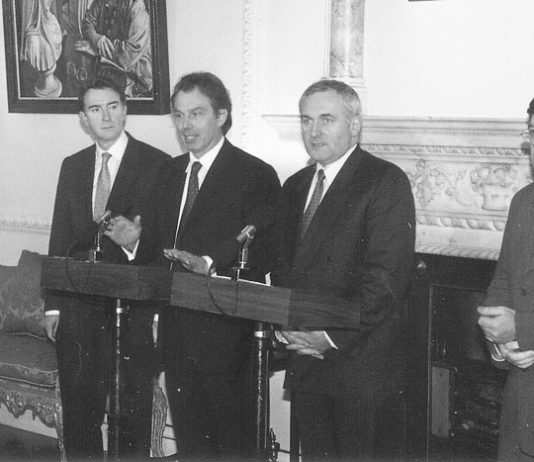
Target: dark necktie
103 188
192 192
314 203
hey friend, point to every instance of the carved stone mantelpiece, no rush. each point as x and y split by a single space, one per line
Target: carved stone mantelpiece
463 175
22 224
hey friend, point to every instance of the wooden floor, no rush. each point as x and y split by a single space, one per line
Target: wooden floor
20 445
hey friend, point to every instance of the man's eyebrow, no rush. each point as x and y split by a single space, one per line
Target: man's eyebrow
198 108
321 116
102 105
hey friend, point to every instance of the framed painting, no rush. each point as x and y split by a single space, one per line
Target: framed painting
54 46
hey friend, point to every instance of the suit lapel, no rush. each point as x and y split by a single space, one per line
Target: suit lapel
340 193
124 184
295 203
219 174
87 174
528 246
176 188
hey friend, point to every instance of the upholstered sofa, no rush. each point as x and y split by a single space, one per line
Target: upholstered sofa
28 366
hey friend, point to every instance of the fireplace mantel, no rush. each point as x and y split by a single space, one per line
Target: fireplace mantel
463 172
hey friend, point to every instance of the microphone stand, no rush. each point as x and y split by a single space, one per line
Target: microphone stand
264 438
97 252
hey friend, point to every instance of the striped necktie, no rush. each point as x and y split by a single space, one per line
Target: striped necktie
103 188
192 192
315 200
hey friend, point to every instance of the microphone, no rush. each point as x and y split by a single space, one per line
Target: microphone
246 234
244 238
103 221
97 254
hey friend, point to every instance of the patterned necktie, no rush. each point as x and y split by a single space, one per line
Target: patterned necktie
192 191
314 203
103 187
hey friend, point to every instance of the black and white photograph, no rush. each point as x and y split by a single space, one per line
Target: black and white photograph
266 231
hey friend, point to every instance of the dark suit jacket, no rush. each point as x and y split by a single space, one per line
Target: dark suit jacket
513 286
73 229
358 251
239 189
83 337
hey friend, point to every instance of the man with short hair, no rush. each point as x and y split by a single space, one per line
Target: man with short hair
116 174
507 320
203 199
347 232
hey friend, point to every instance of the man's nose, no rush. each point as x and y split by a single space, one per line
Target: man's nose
315 129
106 114
185 122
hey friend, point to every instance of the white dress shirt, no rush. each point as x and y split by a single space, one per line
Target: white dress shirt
206 161
330 172
114 162
117 153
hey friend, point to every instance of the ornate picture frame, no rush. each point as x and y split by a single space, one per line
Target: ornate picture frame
53 46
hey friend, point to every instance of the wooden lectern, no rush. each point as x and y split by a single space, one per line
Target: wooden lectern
241 298
267 305
259 302
121 282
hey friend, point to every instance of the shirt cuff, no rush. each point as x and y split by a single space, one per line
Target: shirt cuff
280 337
51 313
332 344
209 261
496 353
131 255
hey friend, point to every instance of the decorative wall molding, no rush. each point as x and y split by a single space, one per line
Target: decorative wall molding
249 72
463 173
20 224
345 57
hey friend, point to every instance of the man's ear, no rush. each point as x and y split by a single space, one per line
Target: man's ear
355 126
222 115
84 123
83 119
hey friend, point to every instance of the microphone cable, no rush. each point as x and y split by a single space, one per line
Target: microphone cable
69 270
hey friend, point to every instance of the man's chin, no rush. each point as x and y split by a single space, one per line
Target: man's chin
317 154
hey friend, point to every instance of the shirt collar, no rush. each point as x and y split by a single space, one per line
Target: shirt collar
331 170
208 158
117 149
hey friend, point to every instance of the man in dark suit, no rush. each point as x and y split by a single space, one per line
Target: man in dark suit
203 200
115 174
347 231
507 320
